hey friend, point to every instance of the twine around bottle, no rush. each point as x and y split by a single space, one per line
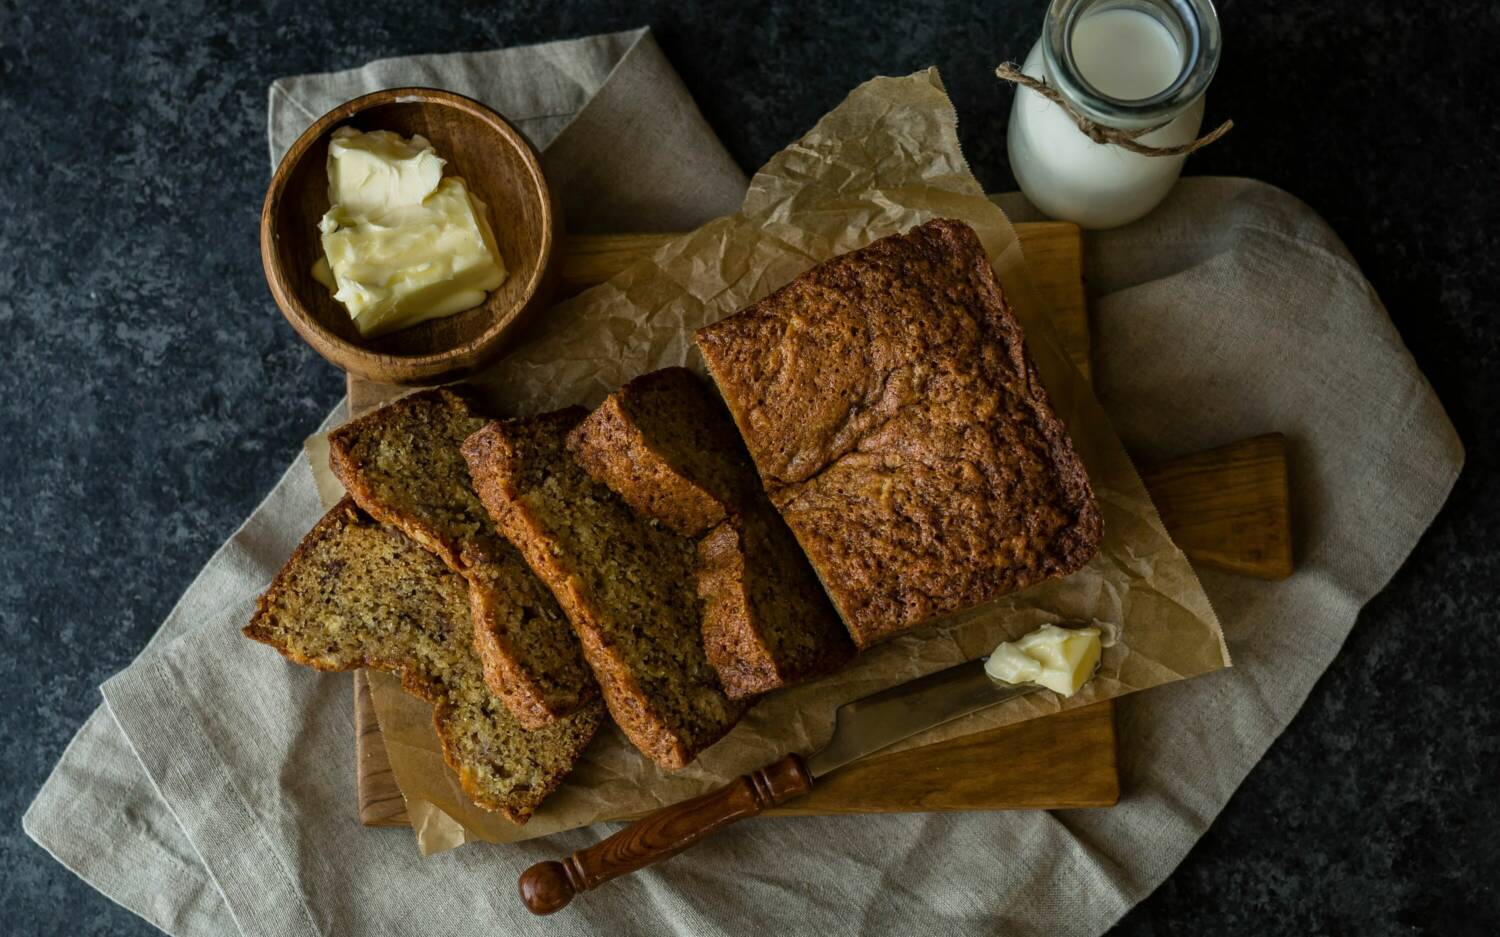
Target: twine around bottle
1100 133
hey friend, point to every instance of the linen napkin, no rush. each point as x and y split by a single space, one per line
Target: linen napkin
213 794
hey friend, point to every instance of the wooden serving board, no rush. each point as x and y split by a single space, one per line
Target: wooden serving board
1226 508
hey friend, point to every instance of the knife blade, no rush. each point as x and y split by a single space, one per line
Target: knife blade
882 719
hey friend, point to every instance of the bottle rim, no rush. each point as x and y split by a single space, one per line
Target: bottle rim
1194 24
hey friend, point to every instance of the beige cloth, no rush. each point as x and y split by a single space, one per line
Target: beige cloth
212 793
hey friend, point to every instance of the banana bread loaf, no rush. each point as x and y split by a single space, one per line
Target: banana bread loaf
898 423
625 583
357 594
402 465
666 446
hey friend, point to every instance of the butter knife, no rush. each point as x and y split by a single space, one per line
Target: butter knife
862 727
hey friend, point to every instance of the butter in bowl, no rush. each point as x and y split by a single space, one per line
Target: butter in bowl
402 243
408 234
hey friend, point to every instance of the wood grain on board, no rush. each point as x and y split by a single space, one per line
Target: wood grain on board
1228 508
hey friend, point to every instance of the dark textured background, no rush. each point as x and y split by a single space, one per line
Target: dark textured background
150 394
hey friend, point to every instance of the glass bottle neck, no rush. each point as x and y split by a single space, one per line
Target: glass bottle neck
1130 64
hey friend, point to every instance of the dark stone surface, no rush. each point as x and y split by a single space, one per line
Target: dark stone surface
150 394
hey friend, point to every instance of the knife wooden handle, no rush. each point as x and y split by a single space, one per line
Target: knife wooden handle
548 886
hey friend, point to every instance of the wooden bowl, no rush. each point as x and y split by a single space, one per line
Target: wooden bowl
498 164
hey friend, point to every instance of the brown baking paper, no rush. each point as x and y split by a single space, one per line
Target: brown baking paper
886 159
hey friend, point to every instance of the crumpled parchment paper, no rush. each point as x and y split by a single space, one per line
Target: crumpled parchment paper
885 159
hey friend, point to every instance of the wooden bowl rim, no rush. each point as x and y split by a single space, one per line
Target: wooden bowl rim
356 358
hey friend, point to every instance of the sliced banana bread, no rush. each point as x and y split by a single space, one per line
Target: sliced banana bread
625 583
767 622
402 465
665 444
357 594
900 426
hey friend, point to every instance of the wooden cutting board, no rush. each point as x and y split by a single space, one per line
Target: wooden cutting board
1226 508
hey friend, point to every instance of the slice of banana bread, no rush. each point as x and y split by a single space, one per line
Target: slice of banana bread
625 583
767 622
357 594
665 445
402 465
900 426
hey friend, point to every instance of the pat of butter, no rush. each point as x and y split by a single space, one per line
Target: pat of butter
1060 659
370 172
401 243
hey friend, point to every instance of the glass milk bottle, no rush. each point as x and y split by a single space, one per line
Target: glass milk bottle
1126 65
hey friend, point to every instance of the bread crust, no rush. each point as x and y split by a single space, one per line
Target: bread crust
899 425
766 622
